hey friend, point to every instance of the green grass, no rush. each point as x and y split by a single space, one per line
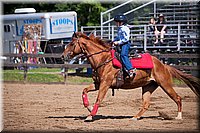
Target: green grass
178 82
35 78
45 70
12 76
78 79
43 75
46 75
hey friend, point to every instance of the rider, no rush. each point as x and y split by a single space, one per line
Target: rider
122 40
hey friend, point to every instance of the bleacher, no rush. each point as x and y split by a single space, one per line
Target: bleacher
182 19
181 42
182 26
184 13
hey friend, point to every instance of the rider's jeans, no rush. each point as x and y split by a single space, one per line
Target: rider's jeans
124 56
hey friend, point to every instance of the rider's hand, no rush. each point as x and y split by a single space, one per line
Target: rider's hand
115 43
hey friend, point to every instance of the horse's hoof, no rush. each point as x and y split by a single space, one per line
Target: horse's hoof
178 118
135 119
88 119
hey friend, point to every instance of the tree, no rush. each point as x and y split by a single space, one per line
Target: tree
88 12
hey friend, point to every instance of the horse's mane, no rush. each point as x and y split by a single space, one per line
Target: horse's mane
94 39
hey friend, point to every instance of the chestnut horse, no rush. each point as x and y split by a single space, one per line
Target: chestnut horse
104 75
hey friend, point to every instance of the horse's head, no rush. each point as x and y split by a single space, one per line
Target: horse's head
81 43
73 48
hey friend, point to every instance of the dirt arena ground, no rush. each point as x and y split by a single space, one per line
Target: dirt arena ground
42 107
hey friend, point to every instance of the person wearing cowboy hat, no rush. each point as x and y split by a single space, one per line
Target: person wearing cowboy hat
122 40
160 28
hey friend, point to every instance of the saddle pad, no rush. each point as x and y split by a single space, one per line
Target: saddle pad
115 61
144 62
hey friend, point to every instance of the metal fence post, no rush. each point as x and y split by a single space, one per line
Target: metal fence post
95 32
109 26
154 9
145 38
179 37
101 25
82 29
112 33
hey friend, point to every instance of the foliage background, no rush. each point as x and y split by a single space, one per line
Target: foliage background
88 10
88 13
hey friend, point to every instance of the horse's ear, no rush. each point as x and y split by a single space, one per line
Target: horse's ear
91 36
74 35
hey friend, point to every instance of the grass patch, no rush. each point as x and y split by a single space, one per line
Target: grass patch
8 76
45 70
78 79
46 75
44 78
32 77
43 75
178 82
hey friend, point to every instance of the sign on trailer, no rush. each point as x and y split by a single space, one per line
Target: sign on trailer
56 25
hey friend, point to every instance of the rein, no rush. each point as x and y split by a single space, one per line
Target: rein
95 73
105 50
104 63
83 51
90 55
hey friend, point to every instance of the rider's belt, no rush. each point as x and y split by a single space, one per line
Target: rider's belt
127 42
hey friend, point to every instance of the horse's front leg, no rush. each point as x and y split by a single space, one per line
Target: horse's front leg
102 92
85 97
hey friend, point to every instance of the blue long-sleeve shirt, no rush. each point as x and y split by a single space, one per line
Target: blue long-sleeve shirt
123 35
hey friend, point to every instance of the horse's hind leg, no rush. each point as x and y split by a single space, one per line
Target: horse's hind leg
174 96
164 80
85 97
146 94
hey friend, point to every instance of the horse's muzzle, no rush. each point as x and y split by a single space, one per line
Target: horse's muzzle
65 57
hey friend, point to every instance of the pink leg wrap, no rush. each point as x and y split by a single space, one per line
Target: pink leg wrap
94 110
85 100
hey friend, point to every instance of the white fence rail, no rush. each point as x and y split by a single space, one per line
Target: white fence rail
107 18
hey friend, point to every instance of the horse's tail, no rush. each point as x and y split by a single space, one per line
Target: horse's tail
191 81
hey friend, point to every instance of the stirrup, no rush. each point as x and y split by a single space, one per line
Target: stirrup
132 73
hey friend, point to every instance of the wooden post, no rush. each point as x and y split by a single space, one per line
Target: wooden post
25 69
25 74
65 74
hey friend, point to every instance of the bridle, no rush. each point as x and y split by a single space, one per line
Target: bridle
90 55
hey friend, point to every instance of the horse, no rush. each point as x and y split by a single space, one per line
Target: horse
98 54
